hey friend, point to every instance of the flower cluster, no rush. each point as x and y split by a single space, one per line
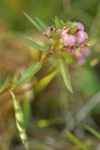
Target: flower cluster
72 38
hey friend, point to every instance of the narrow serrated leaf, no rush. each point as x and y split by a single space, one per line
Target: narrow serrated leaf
20 121
39 27
29 72
41 23
65 73
76 141
31 43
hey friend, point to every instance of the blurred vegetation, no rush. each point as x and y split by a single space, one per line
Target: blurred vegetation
52 115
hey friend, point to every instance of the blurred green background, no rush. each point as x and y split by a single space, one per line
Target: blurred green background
53 101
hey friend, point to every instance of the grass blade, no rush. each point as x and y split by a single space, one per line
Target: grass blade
20 121
26 111
65 73
76 141
91 130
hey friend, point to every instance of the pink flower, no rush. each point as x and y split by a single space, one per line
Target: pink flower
81 37
80 26
86 52
80 59
68 40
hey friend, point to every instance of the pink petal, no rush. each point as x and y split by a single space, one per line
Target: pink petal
81 36
65 30
59 31
68 40
80 26
81 60
86 52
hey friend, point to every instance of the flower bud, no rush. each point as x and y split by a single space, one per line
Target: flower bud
71 49
59 31
80 26
81 36
86 52
68 40
47 32
81 60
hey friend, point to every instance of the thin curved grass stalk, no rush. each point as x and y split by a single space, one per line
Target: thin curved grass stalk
76 141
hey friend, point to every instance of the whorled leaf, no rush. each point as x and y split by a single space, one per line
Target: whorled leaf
20 121
65 73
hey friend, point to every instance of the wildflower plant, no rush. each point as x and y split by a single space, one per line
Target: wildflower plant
65 39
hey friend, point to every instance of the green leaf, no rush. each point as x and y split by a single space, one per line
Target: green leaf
42 24
45 81
54 35
20 121
29 72
65 73
73 30
57 22
72 24
31 42
67 24
38 26
76 141
62 23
